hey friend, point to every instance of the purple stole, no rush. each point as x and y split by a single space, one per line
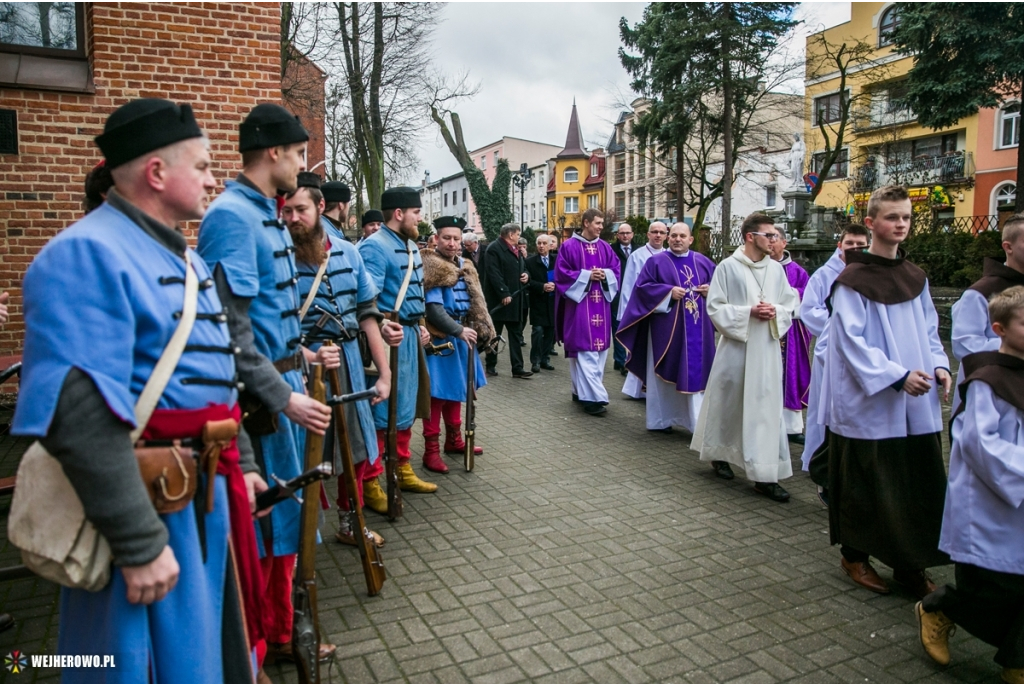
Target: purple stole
796 348
584 326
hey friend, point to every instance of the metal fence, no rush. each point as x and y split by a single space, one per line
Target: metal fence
971 224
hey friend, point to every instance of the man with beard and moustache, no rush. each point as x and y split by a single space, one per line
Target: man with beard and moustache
344 290
250 252
337 199
751 304
388 255
796 348
656 234
668 336
456 309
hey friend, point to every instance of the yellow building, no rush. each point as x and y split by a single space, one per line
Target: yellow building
577 181
883 143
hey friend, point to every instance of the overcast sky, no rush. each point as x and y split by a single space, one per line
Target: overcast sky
532 59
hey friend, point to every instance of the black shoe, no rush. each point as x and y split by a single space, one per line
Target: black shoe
575 397
797 438
660 430
492 372
594 408
823 496
522 374
623 371
6 621
772 491
522 344
552 353
723 470
535 369
547 367
617 366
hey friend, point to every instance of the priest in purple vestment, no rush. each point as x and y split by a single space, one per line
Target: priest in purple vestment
586 281
796 350
668 336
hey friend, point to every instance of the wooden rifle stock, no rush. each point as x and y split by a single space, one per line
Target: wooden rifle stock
468 455
306 621
373 566
391 443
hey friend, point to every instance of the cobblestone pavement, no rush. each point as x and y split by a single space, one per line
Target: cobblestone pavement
586 549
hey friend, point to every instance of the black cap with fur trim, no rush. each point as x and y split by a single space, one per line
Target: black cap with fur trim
336 191
371 216
449 221
145 125
308 179
269 125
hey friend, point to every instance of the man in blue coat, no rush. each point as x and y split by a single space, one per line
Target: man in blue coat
251 254
394 263
456 314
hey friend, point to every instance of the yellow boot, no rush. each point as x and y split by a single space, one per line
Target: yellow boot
408 481
374 498
935 630
1013 675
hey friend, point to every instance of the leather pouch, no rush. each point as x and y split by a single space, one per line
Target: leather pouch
170 476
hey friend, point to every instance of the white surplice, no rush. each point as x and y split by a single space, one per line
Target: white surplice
872 346
741 417
814 315
666 406
972 332
633 387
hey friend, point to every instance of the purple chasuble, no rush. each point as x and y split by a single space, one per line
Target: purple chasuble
584 326
796 346
683 339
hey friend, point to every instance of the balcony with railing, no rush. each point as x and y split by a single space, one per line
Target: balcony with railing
949 169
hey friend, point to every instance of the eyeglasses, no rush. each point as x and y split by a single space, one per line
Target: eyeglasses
772 237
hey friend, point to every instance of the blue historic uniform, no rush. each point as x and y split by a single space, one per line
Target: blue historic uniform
242 235
448 373
386 257
103 297
345 284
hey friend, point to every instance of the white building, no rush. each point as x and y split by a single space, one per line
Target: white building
516 151
533 199
761 176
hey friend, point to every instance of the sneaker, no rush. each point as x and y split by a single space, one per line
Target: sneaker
935 630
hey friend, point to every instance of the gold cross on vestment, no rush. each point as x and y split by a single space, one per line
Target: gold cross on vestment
595 295
596 320
591 249
598 344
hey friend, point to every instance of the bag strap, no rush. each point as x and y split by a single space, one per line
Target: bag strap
315 289
168 361
400 300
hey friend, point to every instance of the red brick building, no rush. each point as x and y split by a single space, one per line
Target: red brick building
58 83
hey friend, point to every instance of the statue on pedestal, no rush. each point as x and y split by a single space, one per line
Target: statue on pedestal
796 162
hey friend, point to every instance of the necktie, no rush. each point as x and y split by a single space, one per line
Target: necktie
627 249
545 260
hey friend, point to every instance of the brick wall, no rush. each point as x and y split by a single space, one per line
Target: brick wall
221 58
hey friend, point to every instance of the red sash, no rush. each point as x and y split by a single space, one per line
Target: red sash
171 424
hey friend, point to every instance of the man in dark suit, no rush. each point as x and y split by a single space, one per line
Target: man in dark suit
471 249
505 288
622 247
541 267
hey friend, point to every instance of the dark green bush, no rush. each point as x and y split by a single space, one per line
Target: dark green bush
952 259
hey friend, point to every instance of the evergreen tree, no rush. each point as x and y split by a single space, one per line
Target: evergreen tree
966 56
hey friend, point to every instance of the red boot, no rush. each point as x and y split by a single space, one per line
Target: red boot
453 442
432 460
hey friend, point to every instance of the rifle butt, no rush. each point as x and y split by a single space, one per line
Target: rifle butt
394 494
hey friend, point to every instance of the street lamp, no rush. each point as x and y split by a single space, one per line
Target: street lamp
521 180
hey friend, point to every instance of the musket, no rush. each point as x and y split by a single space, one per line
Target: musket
282 490
468 456
373 565
306 622
391 442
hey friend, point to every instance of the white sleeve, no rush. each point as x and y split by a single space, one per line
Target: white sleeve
731 320
813 311
613 285
578 290
995 461
628 281
971 326
849 337
940 360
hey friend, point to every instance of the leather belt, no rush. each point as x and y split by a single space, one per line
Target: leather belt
287 364
409 322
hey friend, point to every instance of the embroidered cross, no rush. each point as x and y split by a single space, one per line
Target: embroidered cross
596 320
591 249
595 295
598 344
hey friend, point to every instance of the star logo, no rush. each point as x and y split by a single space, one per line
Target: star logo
16 661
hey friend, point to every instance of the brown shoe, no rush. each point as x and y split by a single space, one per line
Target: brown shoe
345 537
935 630
864 575
282 651
1013 675
917 582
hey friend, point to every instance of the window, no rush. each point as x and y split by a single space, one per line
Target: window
629 207
641 202
769 196
1005 198
455 197
620 204
54 29
840 167
593 169
934 146
1009 126
463 194
886 25
641 169
533 212
483 162
570 175
496 157
592 202
541 182
828 109
446 199
572 205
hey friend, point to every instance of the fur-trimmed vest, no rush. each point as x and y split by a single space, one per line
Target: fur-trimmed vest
439 272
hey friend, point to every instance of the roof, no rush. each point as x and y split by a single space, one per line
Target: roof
573 139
